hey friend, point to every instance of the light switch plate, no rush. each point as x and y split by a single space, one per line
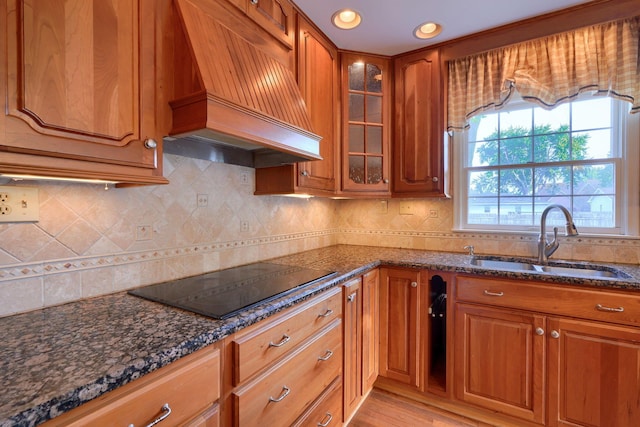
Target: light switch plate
19 204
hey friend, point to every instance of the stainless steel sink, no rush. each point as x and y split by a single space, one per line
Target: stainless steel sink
560 270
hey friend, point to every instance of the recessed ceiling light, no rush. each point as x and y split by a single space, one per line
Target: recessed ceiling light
427 30
346 19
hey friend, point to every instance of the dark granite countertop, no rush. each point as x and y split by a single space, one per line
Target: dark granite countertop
55 359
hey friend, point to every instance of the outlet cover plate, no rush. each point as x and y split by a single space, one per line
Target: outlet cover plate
19 204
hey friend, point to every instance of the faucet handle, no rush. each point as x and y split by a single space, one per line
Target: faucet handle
470 249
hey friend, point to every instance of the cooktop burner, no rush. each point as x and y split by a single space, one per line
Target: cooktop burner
224 293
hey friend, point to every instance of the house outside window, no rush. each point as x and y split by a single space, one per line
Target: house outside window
516 161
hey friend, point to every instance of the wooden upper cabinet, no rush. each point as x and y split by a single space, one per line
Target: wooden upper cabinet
318 80
366 102
277 17
418 167
79 103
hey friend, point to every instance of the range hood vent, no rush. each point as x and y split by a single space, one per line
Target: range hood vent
248 99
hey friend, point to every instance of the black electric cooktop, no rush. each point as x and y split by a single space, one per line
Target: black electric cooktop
225 293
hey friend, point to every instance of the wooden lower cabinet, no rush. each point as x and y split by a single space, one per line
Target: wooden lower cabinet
190 387
593 374
499 360
361 334
277 371
399 325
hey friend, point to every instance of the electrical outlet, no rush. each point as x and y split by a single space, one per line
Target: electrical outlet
244 178
433 213
406 208
144 232
203 200
383 207
244 226
19 204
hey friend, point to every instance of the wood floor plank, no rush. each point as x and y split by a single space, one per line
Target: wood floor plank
390 410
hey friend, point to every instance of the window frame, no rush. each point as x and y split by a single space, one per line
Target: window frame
627 215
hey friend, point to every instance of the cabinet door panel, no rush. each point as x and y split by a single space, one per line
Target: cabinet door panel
75 72
399 332
370 330
352 346
594 374
418 151
499 360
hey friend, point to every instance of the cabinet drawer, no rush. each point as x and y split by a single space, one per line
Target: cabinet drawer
608 306
295 382
262 345
327 410
190 386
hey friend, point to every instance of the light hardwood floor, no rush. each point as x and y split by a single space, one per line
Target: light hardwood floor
384 409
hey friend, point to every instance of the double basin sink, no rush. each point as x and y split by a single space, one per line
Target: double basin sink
560 269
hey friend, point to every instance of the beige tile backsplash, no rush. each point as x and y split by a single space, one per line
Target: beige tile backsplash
92 242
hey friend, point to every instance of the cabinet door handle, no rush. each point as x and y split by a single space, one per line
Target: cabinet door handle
327 417
352 297
601 307
326 356
327 313
285 392
539 331
414 284
285 339
555 334
493 294
166 411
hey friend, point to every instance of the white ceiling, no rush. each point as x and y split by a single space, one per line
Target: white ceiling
387 25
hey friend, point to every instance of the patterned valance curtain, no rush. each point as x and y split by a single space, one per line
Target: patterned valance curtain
603 58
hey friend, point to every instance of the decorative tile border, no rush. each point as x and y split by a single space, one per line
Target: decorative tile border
37 269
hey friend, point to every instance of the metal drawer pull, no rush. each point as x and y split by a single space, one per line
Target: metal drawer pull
327 417
326 356
285 392
166 411
493 294
285 339
327 313
352 297
601 307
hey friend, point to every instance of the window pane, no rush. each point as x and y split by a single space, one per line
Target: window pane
516 211
591 114
555 218
593 180
483 153
356 107
356 169
515 151
552 147
551 119
374 139
483 183
374 109
552 181
516 123
592 145
483 127
482 210
356 138
374 78
374 170
516 182
356 76
595 211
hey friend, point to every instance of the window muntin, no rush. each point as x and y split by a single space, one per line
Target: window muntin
517 161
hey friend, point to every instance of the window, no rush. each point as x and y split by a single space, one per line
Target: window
519 160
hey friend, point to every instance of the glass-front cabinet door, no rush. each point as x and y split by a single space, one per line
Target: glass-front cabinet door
366 124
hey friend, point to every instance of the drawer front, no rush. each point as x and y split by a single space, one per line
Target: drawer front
260 346
280 395
327 410
189 385
616 307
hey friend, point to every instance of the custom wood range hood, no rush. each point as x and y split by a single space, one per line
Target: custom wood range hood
239 96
